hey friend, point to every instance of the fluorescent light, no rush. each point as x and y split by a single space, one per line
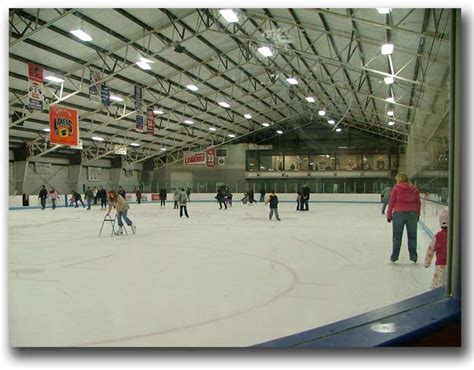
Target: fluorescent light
248 115
390 113
163 149
157 111
322 113
231 135
188 121
116 98
143 65
292 81
192 87
134 144
332 122
46 129
387 49
81 35
391 123
265 51
229 15
388 80
338 130
384 10
310 99
212 129
390 99
97 138
279 132
265 124
54 79
224 104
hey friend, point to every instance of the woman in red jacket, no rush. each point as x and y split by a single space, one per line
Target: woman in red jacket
404 209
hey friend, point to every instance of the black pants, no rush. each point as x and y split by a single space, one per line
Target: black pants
139 200
175 204
43 203
181 208
163 202
305 204
221 202
103 202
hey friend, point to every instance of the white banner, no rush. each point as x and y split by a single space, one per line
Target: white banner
195 158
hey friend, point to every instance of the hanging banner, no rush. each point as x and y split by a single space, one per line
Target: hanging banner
105 95
195 159
120 149
64 126
211 157
94 88
35 87
138 96
139 122
150 121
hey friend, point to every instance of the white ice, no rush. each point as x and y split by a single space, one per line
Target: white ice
220 278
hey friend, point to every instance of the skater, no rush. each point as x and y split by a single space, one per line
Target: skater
299 196
245 199
182 200
176 197
305 192
102 195
262 194
138 194
188 193
385 197
220 198
76 197
273 200
404 208
121 210
53 195
163 195
121 192
89 197
251 194
43 194
95 191
228 197
439 246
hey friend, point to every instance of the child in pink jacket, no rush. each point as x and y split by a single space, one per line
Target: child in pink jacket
439 246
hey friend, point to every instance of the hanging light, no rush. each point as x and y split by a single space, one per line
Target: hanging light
46 129
390 99
384 10
387 49
116 98
192 87
229 15
265 51
163 149
279 132
97 138
212 129
390 113
224 104
338 129
332 122
188 121
388 80
292 81
158 111
54 79
310 99
248 115
81 35
322 112
231 135
265 124
391 123
134 144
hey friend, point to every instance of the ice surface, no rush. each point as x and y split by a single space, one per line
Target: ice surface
220 278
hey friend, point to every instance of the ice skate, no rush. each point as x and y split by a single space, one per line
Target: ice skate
119 231
134 228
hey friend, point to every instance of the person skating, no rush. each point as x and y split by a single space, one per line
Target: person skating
305 192
385 197
273 200
53 195
182 200
163 195
439 247
138 194
176 197
188 193
77 198
121 210
89 194
43 194
102 195
95 191
220 198
262 194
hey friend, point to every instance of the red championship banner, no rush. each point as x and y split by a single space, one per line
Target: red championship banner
35 86
195 159
150 121
211 157
64 126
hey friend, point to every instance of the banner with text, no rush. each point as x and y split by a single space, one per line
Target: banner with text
211 157
64 126
195 159
150 121
139 122
35 87
94 88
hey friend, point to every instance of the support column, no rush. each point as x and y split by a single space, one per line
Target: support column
74 177
21 169
115 172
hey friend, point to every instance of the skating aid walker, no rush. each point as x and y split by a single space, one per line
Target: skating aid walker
109 218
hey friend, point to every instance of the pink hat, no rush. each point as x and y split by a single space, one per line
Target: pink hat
444 218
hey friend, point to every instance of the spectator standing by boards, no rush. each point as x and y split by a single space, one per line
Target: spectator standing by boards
43 194
183 200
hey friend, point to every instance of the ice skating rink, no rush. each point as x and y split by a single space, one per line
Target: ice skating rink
220 278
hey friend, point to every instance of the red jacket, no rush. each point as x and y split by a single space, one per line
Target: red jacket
441 246
404 198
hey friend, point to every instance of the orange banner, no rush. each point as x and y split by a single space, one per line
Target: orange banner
64 126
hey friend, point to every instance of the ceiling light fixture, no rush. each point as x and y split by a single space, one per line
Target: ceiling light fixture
265 124
97 138
387 49
192 87
390 99
81 35
163 149
46 129
383 10
338 130
188 121
388 80
54 79
158 111
231 135
134 144
224 104
265 51
391 123
279 132
229 15
116 98
212 129
332 122
248 115
143 65
292 81
322 112
390 113
310 99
